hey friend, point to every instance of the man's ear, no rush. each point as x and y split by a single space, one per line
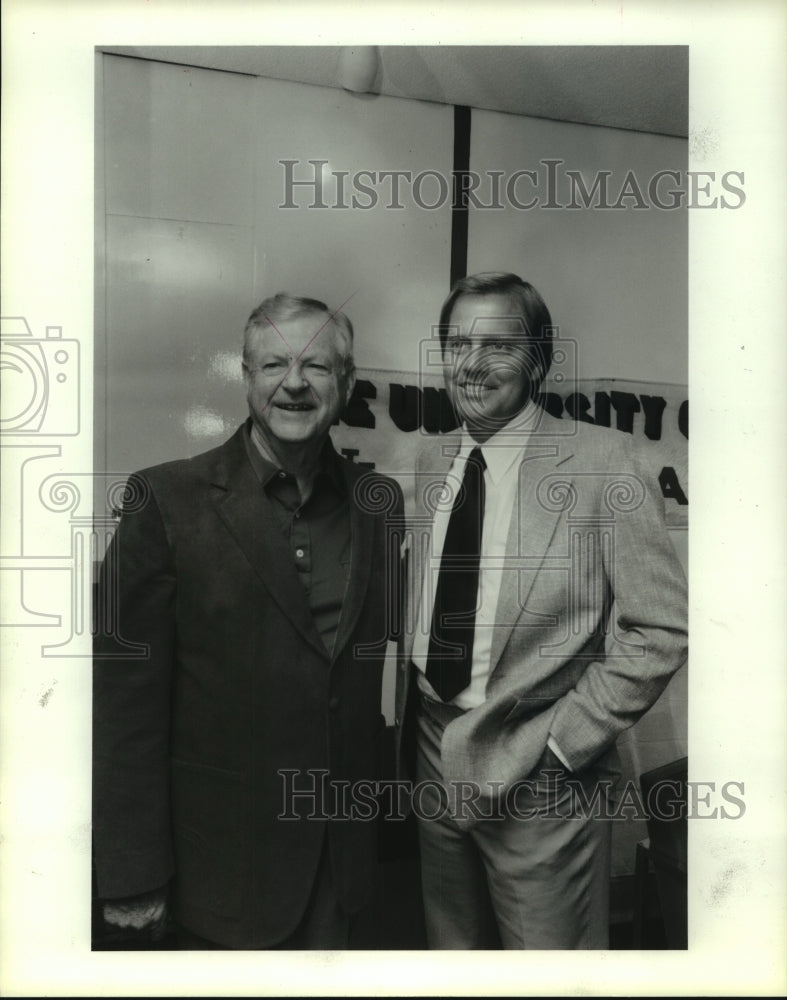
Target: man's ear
350 381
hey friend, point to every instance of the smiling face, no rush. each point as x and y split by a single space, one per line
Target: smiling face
490 369
297 380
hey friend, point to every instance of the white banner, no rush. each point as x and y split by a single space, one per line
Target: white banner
390 412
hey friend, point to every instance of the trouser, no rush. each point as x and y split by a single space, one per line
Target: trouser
521 881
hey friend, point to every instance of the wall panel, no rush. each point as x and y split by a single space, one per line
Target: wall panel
177 300
614 279
176 141
394 262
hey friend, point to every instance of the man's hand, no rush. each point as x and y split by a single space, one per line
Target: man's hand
138 912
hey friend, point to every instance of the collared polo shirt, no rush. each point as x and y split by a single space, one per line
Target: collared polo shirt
317 530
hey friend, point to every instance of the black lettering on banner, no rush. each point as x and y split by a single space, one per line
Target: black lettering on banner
683 418
551 402
438 414
404 406
357 412
670 486
578 405
654 408
626 405
410 408
602 410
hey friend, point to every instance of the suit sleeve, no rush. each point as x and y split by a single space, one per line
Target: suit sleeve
646 640
132 673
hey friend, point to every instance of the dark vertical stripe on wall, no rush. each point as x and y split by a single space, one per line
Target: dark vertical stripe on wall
459 214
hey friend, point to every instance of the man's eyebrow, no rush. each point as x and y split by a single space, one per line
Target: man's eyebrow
296 359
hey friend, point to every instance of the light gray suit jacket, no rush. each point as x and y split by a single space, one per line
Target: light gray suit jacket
591 620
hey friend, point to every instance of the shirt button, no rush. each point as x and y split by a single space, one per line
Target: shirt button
297 514
282 475
299 553
333 704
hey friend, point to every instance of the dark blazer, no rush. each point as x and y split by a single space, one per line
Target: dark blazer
210 678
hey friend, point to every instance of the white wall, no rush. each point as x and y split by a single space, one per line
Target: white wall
195 238
616 280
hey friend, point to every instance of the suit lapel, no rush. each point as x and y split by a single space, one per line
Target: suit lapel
362 527
431 471
534 520
244 508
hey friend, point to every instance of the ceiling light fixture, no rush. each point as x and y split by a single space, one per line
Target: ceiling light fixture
358 66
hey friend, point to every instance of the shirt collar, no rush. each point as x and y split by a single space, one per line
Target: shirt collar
266 467
504 447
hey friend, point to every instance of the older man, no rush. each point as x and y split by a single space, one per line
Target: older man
248 588
550 612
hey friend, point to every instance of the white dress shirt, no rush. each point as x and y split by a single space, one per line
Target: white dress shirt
502 455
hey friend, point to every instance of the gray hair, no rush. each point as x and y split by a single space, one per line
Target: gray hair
283 307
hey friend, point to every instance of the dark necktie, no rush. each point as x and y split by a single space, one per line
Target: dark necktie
450 656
